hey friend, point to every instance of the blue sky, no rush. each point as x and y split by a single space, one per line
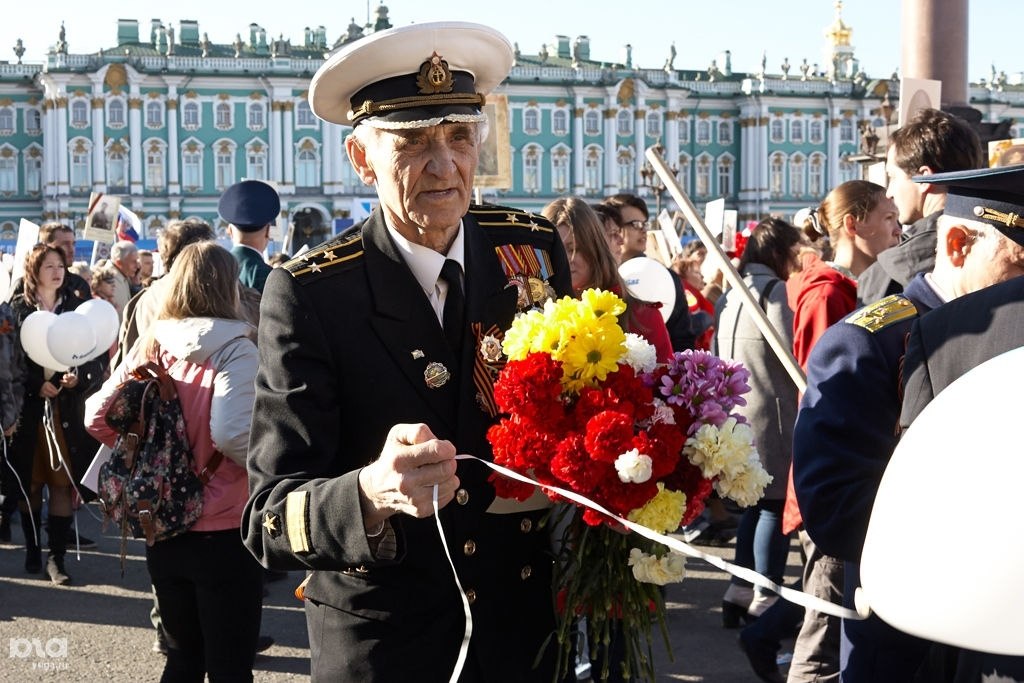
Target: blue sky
700 29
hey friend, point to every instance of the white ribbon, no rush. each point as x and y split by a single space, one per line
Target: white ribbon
464 649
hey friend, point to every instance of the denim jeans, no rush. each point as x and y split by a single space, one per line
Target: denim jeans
760 543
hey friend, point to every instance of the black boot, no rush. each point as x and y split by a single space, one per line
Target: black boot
57 529
33 552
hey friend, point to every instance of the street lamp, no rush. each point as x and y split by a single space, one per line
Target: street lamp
652 181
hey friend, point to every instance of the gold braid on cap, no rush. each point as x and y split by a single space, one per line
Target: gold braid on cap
1010 220
371 108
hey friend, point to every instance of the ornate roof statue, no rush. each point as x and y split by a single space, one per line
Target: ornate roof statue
838 32
19 49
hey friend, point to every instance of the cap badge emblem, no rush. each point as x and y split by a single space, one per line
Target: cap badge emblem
435 76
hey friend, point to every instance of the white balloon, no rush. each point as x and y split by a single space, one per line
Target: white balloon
34 331
5 282
103 318
648 280
71 339
930 567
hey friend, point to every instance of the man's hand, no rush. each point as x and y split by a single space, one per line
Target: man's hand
402 478
48 390
69 380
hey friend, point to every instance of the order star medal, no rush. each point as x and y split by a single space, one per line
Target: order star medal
436 375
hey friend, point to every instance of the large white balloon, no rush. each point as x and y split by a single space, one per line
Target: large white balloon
103 318
931 566
5 282
648 280
34 331
71 339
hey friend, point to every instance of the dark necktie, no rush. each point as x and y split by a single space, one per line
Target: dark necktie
454 305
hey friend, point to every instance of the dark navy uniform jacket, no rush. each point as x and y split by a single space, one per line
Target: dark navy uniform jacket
944 345
846 430
346 340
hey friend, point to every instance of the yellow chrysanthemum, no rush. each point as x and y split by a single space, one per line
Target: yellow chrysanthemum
519 339
603 303
662 513
592 355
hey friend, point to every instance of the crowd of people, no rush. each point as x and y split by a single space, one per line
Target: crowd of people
361 359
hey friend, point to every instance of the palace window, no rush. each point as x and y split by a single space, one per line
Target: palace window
304 117
192 165
725 132
816 132
34 170
777 132
81 164
684 131
531 168
725 164
531 120
8 171
155 164
307 164
256 161
704 176
256 116
115 113
224 164
560 122
776 175
117 166
684 173
797 168
592 177
223 115
625 167
816 176
652 122
846 130
592 122
79 114
703 132
796 131
154 114
624 122
33 121
560 169
6 121
190 116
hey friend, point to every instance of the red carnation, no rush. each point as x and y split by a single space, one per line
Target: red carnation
609 434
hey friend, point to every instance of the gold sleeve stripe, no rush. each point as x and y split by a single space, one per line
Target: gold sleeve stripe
295 505
533 226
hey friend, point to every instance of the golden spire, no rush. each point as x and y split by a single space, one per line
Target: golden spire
838 32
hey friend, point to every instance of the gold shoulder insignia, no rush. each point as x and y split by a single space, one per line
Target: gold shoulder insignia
343 249
494 216
883 313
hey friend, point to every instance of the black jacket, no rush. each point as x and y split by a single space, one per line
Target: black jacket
346 335
897 266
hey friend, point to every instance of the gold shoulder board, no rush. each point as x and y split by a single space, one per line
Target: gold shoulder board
327 256
882 313
493 216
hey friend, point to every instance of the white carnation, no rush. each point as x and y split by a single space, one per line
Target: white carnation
640 355
745 486
721 451
651 569
633 467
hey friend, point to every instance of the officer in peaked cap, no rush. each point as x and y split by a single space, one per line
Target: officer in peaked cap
961 335
372 379
846 429
251 208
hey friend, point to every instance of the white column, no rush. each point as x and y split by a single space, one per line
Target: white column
330 135
275 141
672 134
832 179
98 122
639 137
611 176
135 140
51 153
578 148
288 145
173 149
63 186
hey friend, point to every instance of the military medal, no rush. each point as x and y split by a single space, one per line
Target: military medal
417 354
528 269
490 349
436 375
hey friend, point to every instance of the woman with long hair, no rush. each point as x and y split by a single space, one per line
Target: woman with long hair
50 447
592 265
855 222
768 261
208 587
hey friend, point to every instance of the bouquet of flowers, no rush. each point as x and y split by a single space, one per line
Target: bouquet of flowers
588 409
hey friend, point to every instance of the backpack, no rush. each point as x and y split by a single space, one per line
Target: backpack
149 486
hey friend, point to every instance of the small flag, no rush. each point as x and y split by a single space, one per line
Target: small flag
128 225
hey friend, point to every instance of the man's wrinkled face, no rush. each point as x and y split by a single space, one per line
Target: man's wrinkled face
423 176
